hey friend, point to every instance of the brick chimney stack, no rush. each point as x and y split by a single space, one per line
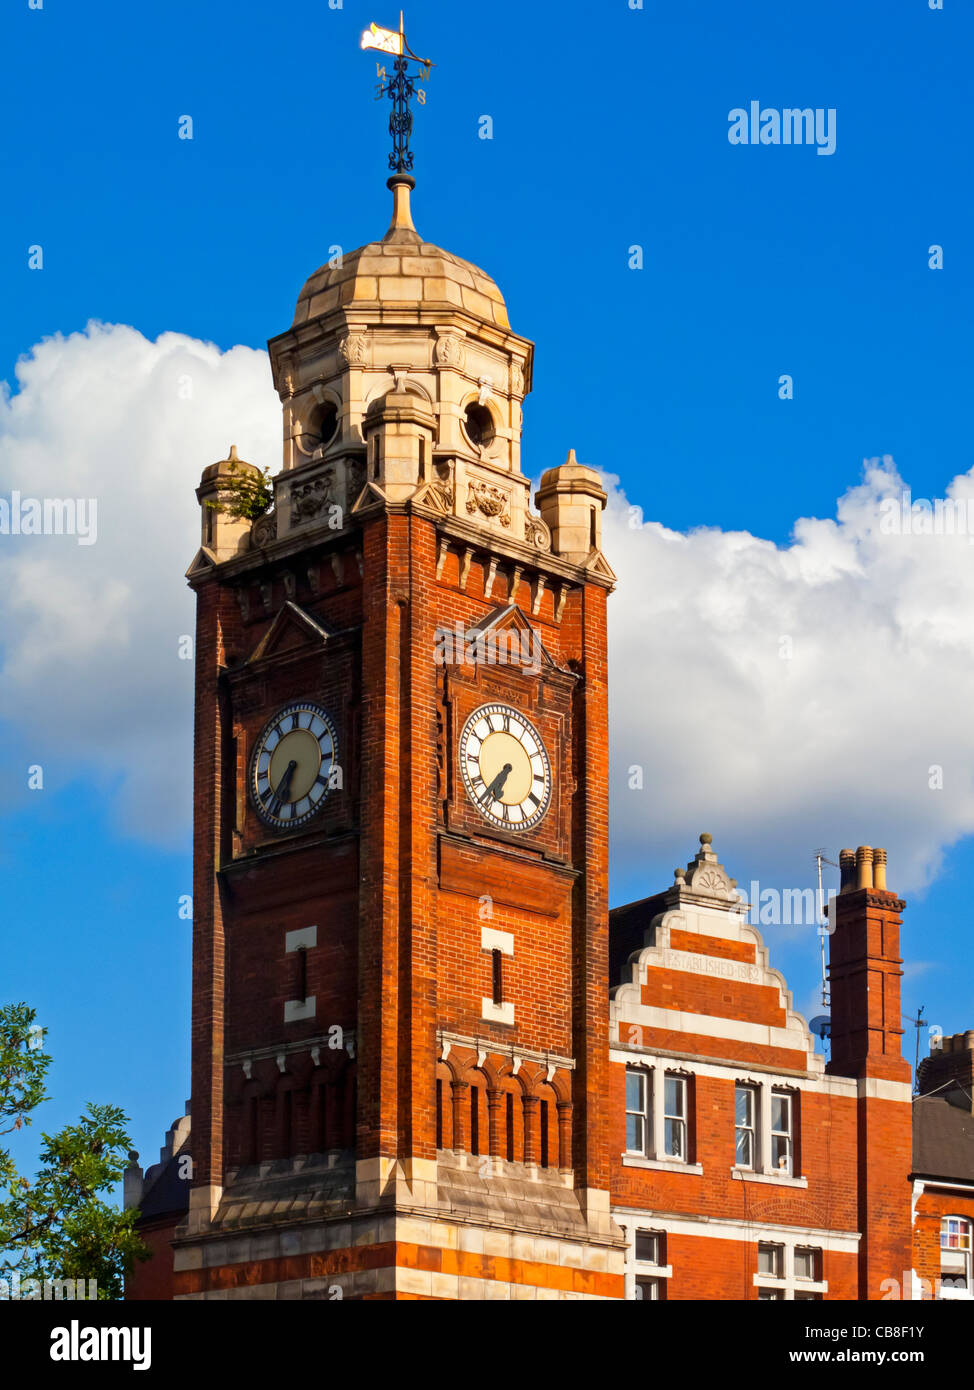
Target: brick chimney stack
865 970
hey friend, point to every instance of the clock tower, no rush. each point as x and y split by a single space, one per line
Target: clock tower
400 973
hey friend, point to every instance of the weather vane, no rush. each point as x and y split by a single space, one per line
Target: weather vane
400 88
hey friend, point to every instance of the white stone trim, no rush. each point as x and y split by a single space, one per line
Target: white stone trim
493 940
724 1228
729 924
873 1088
297 1009
496 1013
730 1071
732 1029
447 1040
662 1165
303 936
779 1180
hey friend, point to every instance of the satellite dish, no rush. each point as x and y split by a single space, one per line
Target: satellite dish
822 1025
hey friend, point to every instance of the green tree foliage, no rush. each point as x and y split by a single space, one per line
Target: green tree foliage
244 494
58 1226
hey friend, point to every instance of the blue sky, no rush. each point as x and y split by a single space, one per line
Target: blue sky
609 131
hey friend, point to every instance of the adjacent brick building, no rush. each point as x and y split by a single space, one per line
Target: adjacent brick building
427 1060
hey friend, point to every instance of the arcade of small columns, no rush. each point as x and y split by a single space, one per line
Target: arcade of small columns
515 1107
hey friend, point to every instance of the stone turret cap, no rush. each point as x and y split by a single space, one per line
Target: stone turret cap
572 476
401 270
228 465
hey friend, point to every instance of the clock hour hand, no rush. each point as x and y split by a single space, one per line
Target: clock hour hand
283 787
493 792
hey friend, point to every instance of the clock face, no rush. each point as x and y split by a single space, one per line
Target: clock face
292 765
505 767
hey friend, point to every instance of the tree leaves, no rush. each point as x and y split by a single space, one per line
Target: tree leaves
58 1226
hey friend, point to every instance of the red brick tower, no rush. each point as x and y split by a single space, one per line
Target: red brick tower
865 971
400 999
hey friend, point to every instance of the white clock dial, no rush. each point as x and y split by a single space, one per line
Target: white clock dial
293 765
505 767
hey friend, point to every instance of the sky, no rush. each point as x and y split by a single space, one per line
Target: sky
786 674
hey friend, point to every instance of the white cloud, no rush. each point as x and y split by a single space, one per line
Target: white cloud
90 681
831 746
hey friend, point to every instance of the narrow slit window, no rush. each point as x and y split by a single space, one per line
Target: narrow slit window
497 978
543 1108
474 1120
510 1128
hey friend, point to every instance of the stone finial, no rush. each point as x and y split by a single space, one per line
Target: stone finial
402 219
132 1182
705 876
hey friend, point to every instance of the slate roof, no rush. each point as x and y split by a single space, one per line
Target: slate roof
943 1138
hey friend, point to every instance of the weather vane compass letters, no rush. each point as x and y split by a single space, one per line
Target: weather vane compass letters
400 88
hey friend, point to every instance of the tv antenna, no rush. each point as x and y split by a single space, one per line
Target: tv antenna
918 1023
820 859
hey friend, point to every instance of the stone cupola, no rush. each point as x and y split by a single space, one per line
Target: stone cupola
400 375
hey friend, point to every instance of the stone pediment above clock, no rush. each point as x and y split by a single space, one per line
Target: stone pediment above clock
509 619
292 629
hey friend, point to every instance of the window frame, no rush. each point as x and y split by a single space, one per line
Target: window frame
682 1120
788 1170
644 1114
746 1089
962 1264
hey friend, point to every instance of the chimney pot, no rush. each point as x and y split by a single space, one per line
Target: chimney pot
879 869
847 867
864 866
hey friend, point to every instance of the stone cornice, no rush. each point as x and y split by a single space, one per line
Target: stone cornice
324 331
467 533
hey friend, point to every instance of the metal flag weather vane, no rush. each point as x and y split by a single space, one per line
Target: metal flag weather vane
400 88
